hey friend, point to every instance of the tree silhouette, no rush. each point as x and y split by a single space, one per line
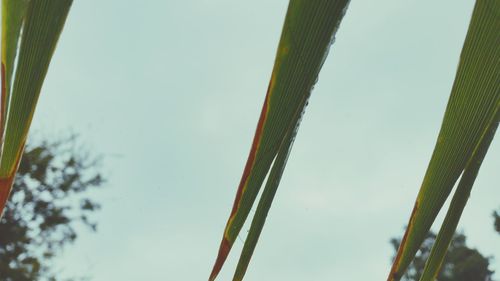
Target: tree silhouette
48 199
460 264
497 221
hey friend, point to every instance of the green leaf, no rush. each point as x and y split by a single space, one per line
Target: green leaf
445 235
41 27
306 37
13 14
266 199
471 112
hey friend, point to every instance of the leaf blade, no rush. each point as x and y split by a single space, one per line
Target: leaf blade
450 223
13 14
266 199
307 34
472 104
42 27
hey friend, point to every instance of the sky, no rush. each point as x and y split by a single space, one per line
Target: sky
169 93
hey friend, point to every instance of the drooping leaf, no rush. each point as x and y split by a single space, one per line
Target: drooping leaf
307 34
41 26
470 113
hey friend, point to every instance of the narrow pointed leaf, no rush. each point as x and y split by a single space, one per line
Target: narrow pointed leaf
445 235
306 37
266 198
42 26
471 109
13 14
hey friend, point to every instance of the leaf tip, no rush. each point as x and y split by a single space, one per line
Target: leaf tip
5 187
225 247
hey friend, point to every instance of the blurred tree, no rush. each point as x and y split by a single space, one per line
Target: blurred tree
48 198
497 221
461 262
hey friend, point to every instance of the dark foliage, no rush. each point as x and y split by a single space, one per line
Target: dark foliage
48 199
496 215
461 262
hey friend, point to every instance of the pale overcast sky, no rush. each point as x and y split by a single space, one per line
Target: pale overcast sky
169 92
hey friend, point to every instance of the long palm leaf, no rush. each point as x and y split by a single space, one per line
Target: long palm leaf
471 112
306 37
36 25
445 235
13 14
